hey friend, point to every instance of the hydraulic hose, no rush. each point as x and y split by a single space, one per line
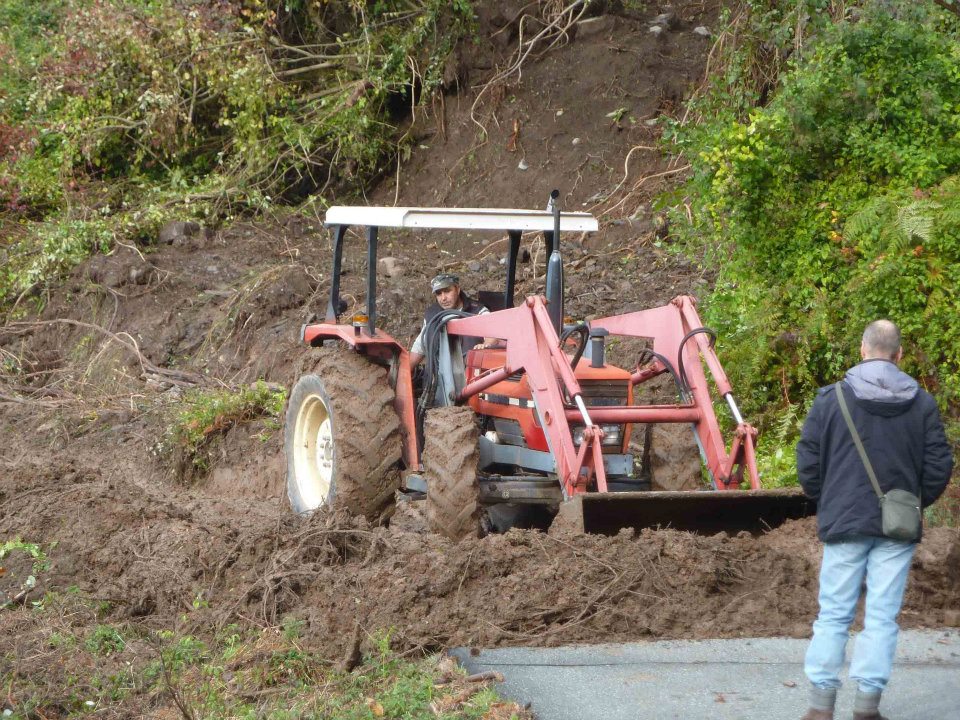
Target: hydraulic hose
645 357
695 331
431 349
583 330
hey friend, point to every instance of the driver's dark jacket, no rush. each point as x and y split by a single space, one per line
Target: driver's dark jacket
469 305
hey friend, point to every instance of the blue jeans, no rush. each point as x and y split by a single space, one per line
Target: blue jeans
886 564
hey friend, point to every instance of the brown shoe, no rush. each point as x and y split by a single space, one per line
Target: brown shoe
868 716
818 715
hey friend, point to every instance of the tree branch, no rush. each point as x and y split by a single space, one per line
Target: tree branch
949 5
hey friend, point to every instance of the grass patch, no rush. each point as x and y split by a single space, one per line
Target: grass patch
203 415
61 668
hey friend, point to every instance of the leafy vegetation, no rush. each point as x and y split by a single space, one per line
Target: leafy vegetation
128 669
33 550
119 115
204 414
21 585
828 196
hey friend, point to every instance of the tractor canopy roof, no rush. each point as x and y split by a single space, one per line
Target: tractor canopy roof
458 218
551 222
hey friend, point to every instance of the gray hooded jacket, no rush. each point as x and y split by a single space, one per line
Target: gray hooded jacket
901 430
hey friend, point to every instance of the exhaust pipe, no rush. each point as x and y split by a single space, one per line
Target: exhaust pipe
555 267
597 336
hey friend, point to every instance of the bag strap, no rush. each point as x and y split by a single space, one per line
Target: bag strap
845 411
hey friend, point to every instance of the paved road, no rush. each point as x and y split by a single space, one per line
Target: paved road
759 679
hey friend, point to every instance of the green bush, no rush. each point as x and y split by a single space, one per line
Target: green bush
272 97
50 250
205 414
205 108
833 205
26 28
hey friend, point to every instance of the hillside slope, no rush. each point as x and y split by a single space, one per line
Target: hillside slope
89 471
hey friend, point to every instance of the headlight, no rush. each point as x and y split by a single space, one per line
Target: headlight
612 434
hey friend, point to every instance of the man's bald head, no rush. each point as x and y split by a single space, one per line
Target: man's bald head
881 340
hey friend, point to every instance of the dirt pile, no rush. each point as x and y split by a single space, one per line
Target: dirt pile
204 562
204 307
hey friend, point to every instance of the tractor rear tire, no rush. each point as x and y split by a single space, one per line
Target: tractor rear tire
342 435
450 457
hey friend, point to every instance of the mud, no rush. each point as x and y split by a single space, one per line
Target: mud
152 555
81 413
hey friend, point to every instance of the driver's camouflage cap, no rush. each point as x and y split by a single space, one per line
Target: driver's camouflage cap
443 281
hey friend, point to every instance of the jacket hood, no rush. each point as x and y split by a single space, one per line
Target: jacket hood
882 387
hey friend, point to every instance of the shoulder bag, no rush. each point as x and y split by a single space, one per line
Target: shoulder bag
899 509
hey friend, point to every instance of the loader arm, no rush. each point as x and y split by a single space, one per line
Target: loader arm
532 345
676 332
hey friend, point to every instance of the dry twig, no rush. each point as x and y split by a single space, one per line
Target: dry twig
174 377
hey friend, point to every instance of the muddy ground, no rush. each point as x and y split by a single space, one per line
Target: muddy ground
84 470
153 554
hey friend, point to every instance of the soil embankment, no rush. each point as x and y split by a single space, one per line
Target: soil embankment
152 553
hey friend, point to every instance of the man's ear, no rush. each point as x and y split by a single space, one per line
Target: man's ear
863 351
899 355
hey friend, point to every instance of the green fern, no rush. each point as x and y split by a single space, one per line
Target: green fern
915 222
948 195
950 215
775 454
869 221
895 228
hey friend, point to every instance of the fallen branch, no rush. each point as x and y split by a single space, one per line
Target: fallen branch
949 6
175 377
16 400
484 677
351 656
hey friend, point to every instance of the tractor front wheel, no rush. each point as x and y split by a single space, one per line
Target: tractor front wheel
450 457
342 435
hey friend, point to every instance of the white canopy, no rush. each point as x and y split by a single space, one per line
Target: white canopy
458 218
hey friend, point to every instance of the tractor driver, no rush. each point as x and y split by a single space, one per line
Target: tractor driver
448 296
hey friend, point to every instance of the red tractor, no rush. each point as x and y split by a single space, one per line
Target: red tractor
542 422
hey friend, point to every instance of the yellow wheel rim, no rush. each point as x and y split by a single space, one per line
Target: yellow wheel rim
313 452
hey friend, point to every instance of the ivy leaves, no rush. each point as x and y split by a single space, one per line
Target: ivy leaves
835 204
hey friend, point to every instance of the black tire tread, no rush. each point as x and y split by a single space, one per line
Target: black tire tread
450 458
366 428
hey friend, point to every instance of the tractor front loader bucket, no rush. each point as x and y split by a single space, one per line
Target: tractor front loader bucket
701 511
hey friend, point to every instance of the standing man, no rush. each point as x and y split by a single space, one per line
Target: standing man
448 296
899 425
